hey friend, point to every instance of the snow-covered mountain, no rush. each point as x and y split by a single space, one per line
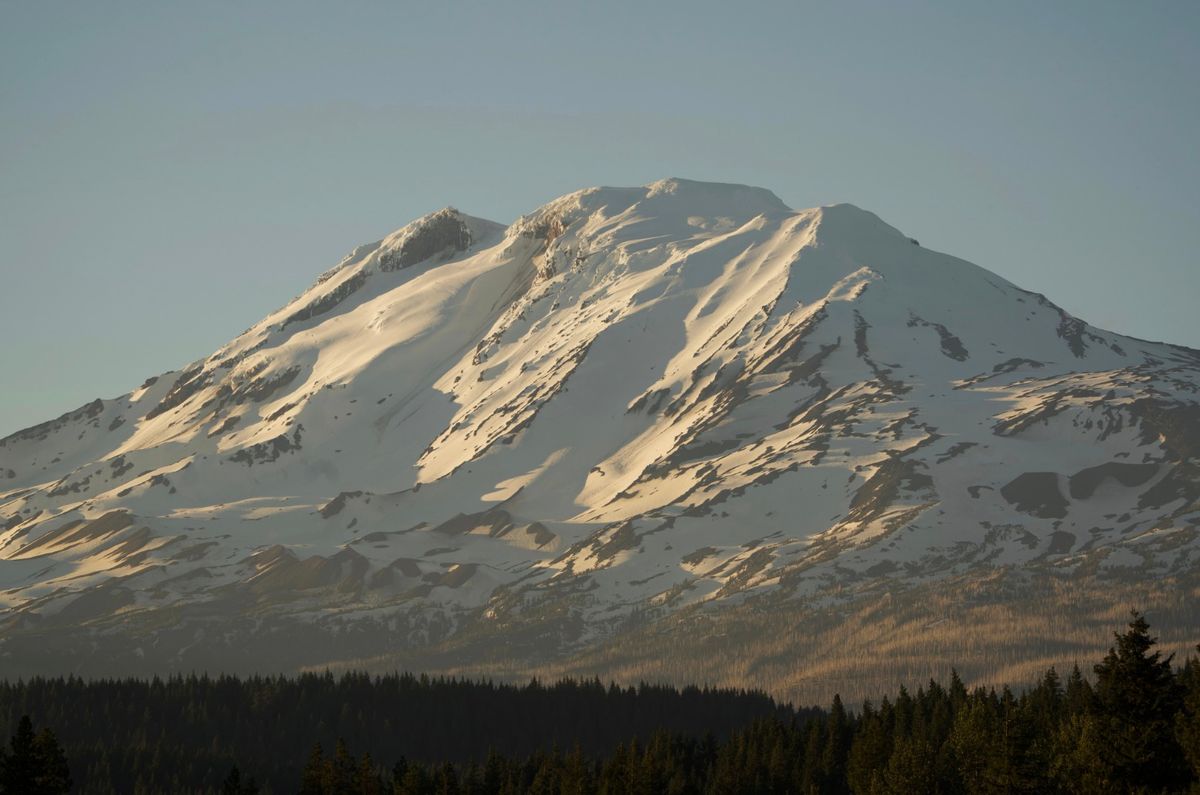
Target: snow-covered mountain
472 442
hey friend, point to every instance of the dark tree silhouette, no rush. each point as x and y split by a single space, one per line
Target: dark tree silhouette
1187 722
35 763
1137 699
233 784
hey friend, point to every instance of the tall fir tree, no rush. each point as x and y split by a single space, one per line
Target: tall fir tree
312 778
1136 701
1078 695
869 751
35 763
837 748
1187 721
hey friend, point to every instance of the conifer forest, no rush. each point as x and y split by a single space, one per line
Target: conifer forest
1130 723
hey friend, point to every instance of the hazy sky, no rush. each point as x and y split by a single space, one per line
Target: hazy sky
170 172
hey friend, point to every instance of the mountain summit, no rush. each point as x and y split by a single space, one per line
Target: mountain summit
634 416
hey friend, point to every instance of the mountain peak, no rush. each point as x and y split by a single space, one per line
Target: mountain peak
668 208
737 198
852 222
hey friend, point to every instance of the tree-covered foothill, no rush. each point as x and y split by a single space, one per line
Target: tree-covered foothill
1133 726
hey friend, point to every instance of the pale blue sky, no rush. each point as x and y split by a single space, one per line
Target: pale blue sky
170 172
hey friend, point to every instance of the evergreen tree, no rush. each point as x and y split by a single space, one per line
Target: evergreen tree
1046 700
312 778
911 767
366 777
1187 721
233 784
576 778
957 692
35 765
342 771
1078 695
837 747
54 775
1044 709
445 782
1080 765
869 752
810 778
1136 702
20 764
493 772
1019 770
416 782
973 743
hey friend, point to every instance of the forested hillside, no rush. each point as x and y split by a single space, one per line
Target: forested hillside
1132 724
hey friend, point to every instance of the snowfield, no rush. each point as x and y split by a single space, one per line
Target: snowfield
630 402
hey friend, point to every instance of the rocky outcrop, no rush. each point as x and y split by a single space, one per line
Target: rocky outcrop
440 233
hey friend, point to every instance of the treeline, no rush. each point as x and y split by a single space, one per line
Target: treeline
1135 730
186 734
1132 727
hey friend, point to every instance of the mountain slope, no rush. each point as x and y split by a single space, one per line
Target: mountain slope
628 404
